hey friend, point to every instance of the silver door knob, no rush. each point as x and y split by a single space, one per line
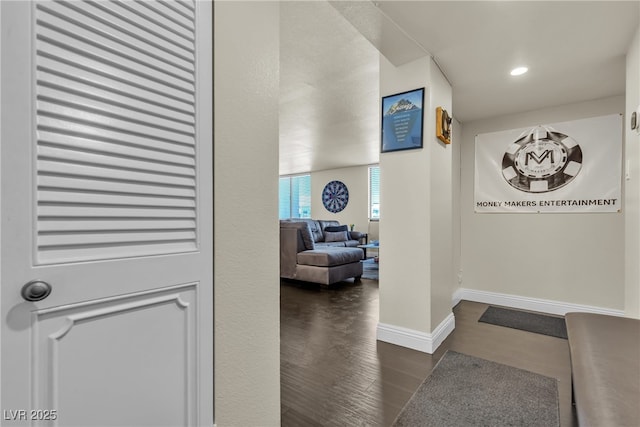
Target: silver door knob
36 290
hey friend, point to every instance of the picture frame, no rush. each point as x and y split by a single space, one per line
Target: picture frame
402 121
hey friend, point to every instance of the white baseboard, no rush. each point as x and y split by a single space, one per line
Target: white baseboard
526 303
416 340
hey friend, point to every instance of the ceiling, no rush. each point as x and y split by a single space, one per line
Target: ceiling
329 64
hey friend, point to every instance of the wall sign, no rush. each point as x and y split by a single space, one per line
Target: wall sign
562 167
402 121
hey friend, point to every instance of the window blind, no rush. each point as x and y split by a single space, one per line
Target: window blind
374 192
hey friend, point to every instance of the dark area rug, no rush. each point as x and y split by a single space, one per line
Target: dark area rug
530 322
464 390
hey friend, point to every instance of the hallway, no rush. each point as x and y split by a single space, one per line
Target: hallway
335 373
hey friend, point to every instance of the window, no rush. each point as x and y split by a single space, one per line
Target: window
374 192
295 196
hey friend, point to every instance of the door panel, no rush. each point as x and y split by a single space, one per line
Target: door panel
131 336
106 194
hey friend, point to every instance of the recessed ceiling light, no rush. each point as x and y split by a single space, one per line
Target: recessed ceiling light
519 71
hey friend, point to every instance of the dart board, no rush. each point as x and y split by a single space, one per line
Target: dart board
335 196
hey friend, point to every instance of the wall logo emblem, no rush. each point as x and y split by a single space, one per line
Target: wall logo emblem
541 160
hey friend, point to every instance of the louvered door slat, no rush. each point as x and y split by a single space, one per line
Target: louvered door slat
183 8
115 130
67 198
123 225
52 139
72 13
49 78
46 212
50 108
148 30
110 187
63 168
68 154
81 101
180 18
112 70
51 69
89 131
184 3
117 56
109 48
128 32
159 20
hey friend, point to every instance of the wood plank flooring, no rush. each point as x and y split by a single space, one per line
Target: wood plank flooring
335 373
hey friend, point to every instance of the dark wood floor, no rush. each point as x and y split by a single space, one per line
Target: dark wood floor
335 373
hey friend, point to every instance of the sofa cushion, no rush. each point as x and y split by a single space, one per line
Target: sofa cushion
329 256
334 228
335 236
314 227
324 223
305 231
331 244
316 230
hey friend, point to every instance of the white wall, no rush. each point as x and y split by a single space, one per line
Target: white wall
441 201
247 300
357 181
571 258
416 220
632 184
456 145
405 232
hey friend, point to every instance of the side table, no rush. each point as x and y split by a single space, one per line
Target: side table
369 246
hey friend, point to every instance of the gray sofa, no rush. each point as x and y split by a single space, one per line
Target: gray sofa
324 232
605 369
310 251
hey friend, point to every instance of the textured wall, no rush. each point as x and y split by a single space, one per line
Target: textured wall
416 217
247 286
574 258
632 184
441 202
405 231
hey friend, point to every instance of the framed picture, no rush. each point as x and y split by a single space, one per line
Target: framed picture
402 115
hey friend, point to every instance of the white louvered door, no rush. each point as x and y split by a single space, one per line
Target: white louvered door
106 196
